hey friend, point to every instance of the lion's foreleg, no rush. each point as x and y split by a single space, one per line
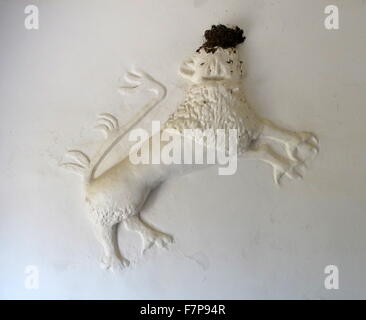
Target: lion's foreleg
290 139
281 165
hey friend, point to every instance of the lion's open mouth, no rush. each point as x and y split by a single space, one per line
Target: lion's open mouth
214 78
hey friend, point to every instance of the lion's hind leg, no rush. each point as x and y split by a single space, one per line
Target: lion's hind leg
107 236
149 235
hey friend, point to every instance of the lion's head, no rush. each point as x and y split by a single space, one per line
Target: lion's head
217 59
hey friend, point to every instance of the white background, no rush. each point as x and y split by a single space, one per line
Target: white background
236 236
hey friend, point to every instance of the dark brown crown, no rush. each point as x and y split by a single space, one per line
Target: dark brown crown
222 36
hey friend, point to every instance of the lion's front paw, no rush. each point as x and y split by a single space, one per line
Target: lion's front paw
305 143
278 174
288 168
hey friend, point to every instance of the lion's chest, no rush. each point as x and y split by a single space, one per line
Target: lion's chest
216 107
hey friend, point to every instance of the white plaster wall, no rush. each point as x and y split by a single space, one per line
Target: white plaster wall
236 236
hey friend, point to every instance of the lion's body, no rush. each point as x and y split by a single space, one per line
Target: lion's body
213 101
121 191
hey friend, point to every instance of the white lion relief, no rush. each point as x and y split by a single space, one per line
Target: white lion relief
213 100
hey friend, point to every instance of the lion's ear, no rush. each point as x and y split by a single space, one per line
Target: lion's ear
186 69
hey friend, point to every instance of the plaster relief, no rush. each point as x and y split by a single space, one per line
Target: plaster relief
214 101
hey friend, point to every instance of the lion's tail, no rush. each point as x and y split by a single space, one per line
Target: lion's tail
78 162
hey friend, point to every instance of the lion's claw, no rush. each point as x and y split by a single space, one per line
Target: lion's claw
302 139
162 240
